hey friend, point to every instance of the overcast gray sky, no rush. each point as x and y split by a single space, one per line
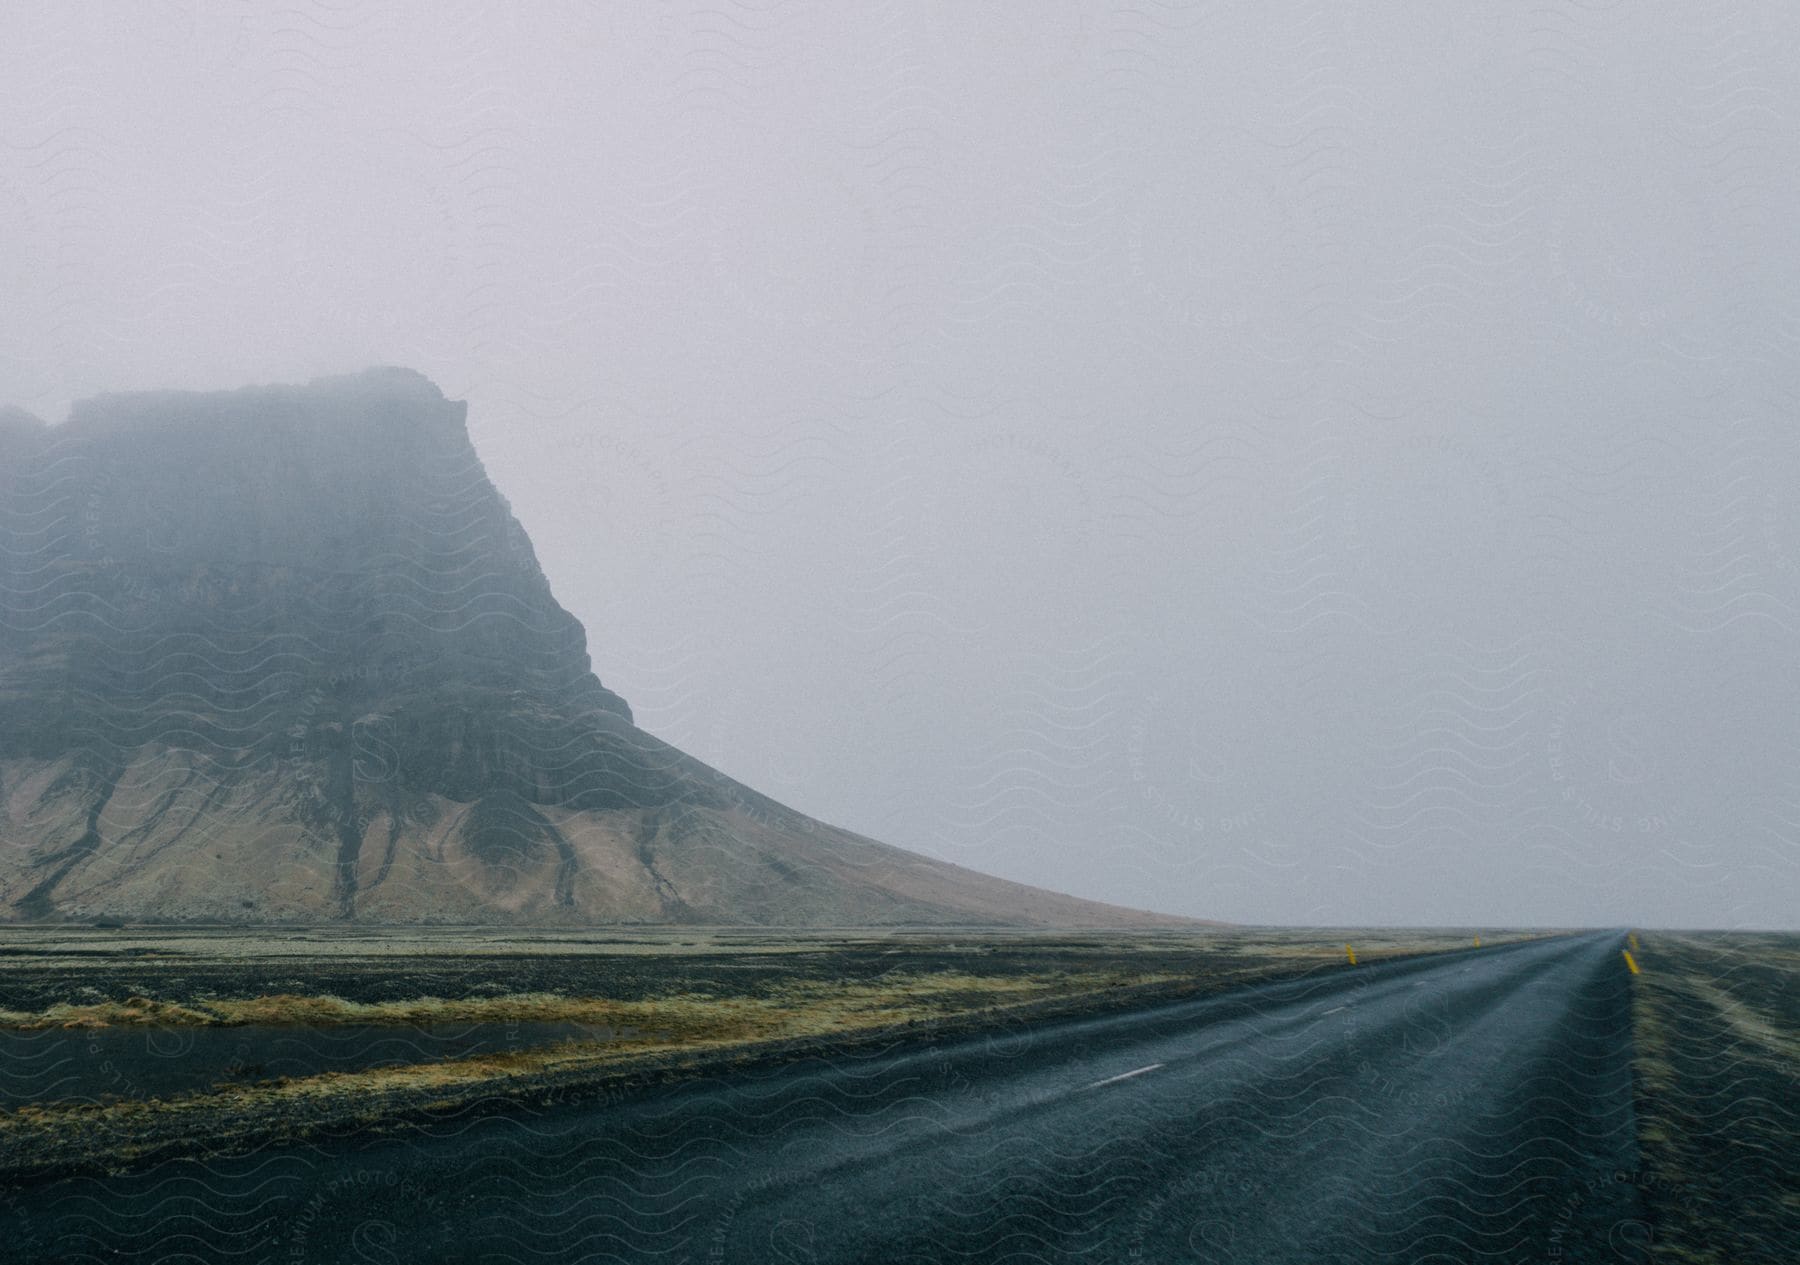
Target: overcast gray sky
1307 463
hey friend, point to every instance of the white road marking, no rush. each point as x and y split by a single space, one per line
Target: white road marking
1123 1076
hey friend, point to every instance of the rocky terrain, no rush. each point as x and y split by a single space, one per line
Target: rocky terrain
284 654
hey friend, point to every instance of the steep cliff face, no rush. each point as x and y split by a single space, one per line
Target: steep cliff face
284 653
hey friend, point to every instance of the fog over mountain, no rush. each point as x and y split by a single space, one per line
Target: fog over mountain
283 654
1316 463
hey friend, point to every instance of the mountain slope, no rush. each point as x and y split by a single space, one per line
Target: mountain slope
285 654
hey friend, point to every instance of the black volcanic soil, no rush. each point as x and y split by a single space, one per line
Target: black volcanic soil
577 969
54 1065
844 993
1250 1126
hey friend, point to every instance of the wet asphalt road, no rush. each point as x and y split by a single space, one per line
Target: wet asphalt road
1474 1106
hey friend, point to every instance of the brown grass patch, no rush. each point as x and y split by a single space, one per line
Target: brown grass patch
688 1024
902 995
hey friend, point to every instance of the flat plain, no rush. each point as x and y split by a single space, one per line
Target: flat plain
125 1044
135 1056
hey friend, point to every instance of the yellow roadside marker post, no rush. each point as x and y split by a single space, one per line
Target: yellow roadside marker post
1351 954
1477 942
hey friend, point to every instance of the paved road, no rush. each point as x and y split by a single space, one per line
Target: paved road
1473 1107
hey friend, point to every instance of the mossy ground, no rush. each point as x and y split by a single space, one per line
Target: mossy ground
656 1000
1716 1019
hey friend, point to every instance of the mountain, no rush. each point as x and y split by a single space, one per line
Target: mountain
284 654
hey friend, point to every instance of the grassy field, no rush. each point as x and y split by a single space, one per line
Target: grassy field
408 1024
1717 1022
563 1013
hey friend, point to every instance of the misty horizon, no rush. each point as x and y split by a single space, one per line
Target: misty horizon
1338 480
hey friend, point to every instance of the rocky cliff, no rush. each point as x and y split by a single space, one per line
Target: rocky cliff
285 654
